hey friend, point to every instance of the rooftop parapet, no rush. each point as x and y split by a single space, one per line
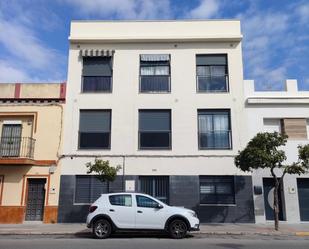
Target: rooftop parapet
158 31
32 91
290 94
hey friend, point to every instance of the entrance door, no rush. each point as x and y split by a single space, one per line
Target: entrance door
269 185
10 140
303 198
36 199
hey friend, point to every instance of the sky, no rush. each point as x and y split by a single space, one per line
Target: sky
34 34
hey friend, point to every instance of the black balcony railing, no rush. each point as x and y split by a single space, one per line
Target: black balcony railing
217 83
20 147
155 83
215 140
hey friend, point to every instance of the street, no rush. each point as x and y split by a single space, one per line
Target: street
141 242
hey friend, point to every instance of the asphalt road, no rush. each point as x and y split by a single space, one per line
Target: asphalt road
213 242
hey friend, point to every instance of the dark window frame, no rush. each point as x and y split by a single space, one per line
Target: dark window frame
169 132
110 132
153 182
92 198
227 75
111 77
229 130
216 196
151 65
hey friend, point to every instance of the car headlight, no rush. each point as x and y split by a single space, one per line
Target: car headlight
193 214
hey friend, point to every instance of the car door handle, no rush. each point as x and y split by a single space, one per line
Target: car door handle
139 211
112 210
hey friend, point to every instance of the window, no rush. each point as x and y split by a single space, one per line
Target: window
214 129
156 186
12 142
217 190
212 73
88 189
97 74
154 129
294 128
272 125
154 73
143 201
94 129
121 200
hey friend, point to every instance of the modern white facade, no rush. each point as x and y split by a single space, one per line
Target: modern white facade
180 53
267 111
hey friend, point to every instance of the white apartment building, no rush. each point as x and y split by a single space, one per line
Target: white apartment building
282 111
164 100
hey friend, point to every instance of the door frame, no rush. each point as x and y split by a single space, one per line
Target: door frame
298 180
1 188
281 199
24 195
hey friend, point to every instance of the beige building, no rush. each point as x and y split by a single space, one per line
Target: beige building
30 139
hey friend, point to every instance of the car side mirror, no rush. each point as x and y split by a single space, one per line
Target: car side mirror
159 206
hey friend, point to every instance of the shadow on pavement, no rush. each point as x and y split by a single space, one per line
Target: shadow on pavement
129 235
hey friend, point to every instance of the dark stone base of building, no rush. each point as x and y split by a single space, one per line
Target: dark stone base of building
183 191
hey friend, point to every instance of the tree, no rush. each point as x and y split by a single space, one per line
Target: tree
104 172
263 152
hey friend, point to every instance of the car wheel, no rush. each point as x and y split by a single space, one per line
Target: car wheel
102 229
177 229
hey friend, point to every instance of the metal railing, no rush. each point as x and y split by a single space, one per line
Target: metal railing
19 147
212 83
155 84
215 140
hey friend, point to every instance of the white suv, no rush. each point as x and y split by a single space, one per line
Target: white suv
136 211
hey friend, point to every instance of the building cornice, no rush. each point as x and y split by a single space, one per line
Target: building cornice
157 39
278 100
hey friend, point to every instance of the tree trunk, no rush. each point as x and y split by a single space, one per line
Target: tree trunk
276 204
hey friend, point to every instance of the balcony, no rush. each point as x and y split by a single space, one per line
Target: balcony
16 150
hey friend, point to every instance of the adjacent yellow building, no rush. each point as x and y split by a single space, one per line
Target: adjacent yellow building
30 142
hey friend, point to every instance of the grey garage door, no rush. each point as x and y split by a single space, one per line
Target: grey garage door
303 197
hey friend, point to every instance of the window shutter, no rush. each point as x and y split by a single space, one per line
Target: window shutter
97 66
294 128
211 60
82 189
155 57
94 121
155 120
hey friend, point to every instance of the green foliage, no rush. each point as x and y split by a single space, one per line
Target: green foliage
262 152
303 155
102 169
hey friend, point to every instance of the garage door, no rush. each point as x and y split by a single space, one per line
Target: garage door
303 197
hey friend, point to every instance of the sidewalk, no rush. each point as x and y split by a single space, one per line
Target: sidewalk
205 229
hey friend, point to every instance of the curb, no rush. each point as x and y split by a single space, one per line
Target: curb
302 234
193 233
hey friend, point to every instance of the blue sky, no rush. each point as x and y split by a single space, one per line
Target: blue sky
34 45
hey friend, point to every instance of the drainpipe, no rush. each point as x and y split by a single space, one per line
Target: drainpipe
123 172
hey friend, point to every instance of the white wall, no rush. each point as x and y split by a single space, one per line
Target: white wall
271 107
125 101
